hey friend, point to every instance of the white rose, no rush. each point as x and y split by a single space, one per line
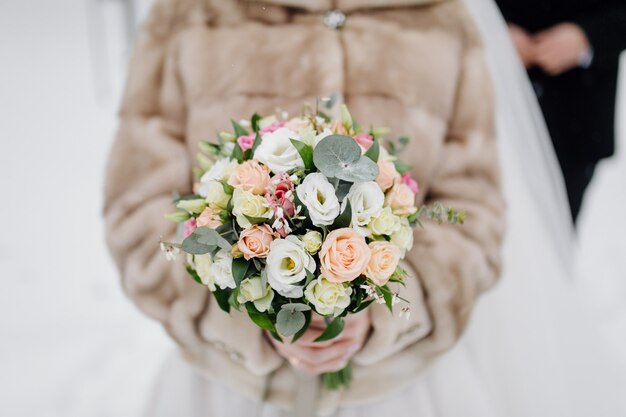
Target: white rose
216 196
318 195
247 204
222 270
385 223
202 264
366 200
403 238
277 152
287 264
312 241
328 297
220 171
251 289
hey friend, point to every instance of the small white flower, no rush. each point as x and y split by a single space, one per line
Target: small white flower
405 312
202 264
366 200
221 270
220 171
312 241
287 264
171 252
251 289
318 195
277 152
328 297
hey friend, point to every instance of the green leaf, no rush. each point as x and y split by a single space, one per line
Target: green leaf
194 274
240 270
222 296
388 296
344 218
257 142
296 307
254 122
374 151
305 151
257 220
239 131
362 306
260 319
332 330
307 323
237 153
288 323
340 157
309 277
232 300
338 379
204 240
402 167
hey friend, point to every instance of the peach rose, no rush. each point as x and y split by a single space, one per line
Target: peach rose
383 262
344 255
297 123
401 199
387 174
209 218
254 242
250 176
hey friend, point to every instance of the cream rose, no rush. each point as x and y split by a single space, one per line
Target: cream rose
250 176
220 171
277 152
382 264
287 264
403 238
251 290
344 255
366 200
401 199
222 271
255 241
318 195
328 297
209 218
312 241
247 204
202 264
215 195
387 173
385 223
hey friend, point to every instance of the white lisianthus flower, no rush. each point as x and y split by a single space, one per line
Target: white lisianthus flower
318 195
287 264
202 264
403 237
385 223
366 200
247 204
216 197
251 289
328 297
220 171
222 270
277 152
312 241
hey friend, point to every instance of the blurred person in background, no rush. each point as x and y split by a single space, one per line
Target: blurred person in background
571 50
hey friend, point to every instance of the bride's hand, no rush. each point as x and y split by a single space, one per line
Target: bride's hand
332 355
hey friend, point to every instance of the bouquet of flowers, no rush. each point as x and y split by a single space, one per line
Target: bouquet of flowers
301 216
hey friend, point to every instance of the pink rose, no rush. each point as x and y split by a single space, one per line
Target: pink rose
250 176
383 262
246 142
280 197
209 218
344 255
189 227
407 180
254 242
387 174
401 199
271 128
364 140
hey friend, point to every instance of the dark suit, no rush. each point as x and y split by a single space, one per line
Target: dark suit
578 105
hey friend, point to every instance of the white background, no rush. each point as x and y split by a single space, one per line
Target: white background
71 343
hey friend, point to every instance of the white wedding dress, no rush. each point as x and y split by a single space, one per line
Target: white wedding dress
531 350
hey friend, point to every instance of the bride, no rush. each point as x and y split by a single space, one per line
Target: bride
529 349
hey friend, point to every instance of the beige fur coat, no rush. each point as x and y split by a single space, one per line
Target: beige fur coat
415 66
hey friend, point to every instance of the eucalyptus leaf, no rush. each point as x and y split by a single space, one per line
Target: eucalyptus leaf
305 151
295 307
288 323
332 330
340 157
307 323
210 237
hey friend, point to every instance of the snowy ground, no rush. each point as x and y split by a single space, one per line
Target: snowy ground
68 333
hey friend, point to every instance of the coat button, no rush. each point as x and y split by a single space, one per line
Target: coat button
334 19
